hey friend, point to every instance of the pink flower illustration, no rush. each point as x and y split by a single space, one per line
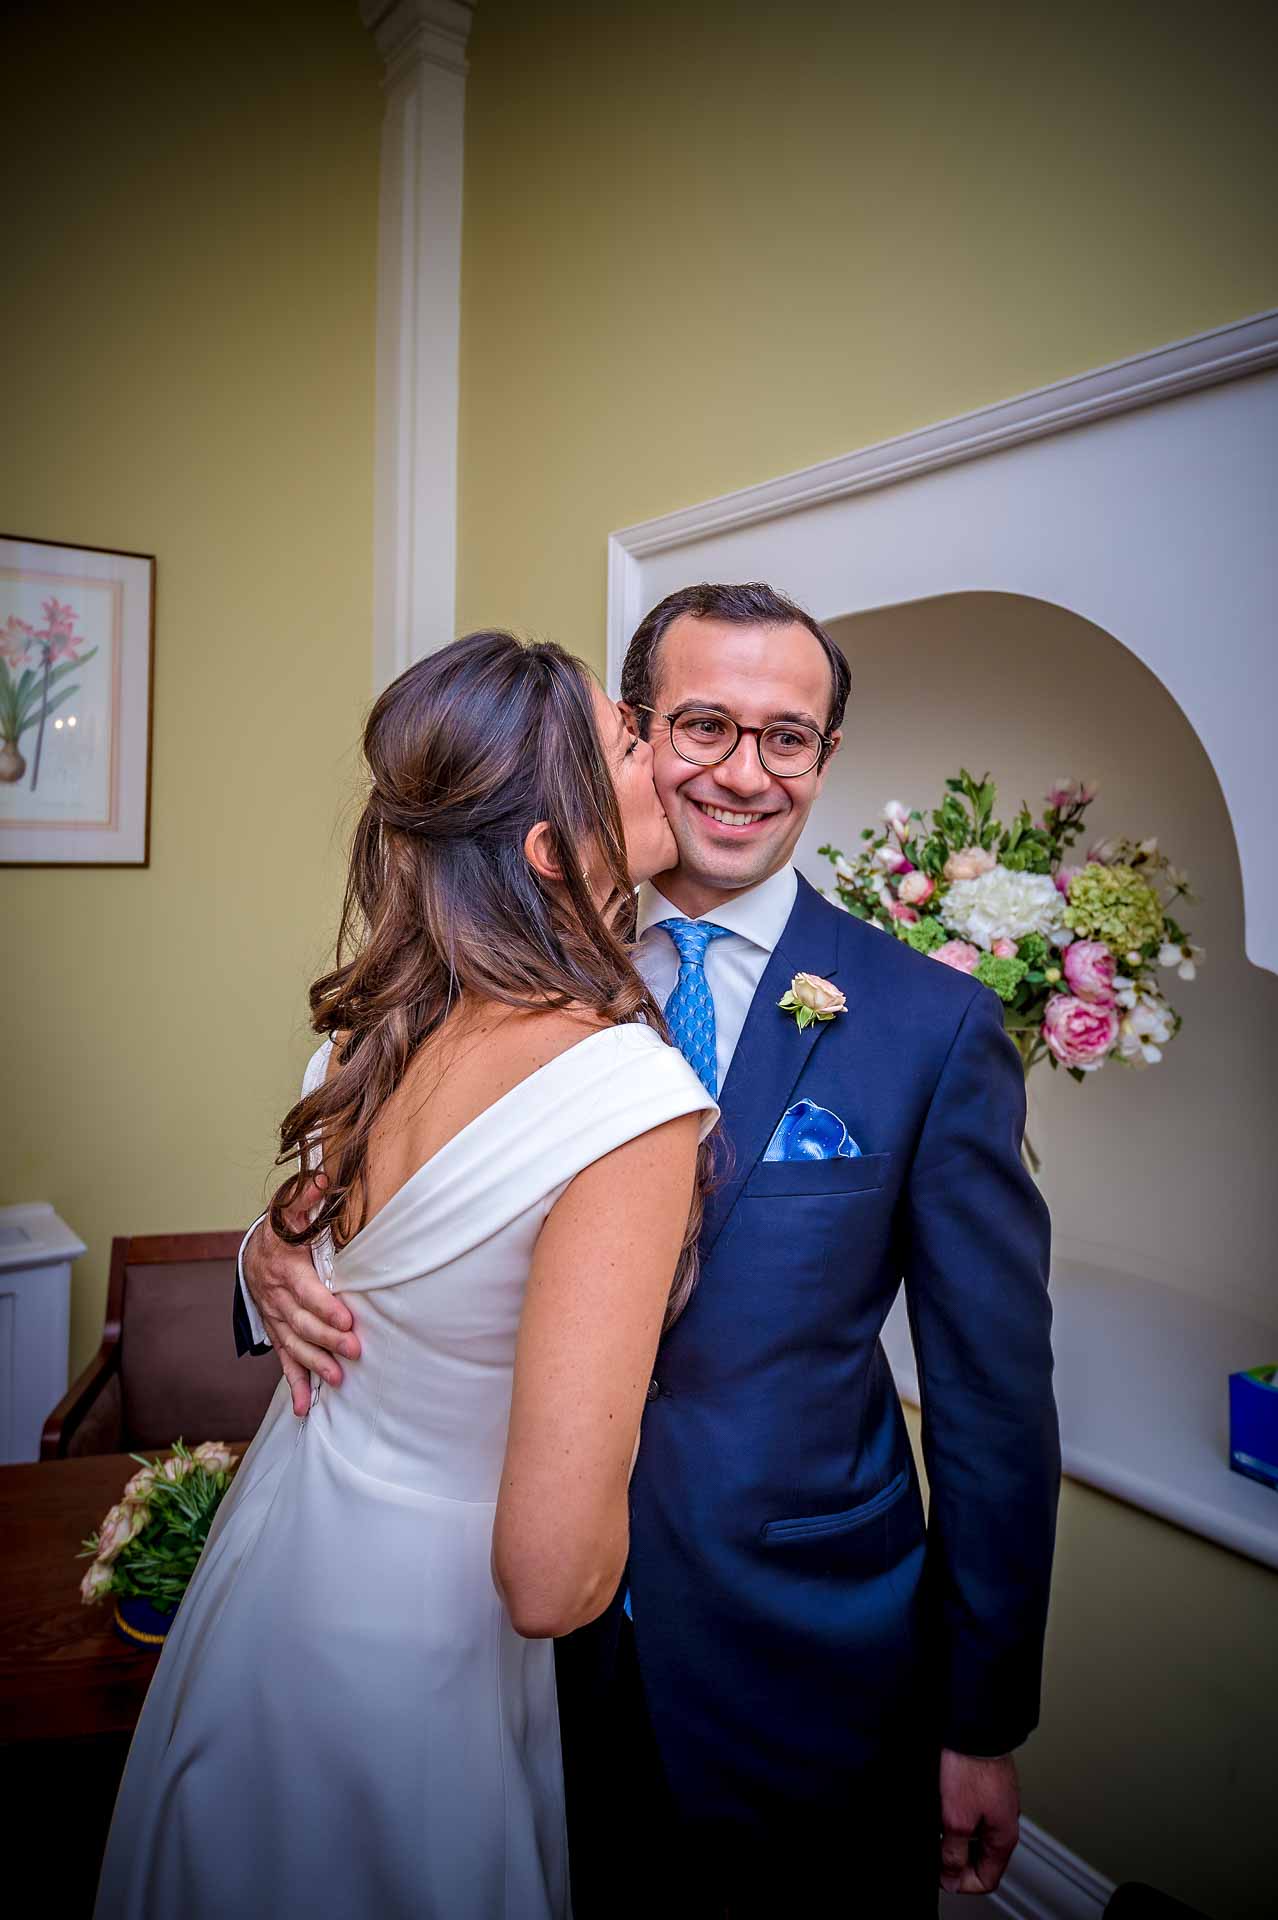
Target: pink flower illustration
15 639
59 617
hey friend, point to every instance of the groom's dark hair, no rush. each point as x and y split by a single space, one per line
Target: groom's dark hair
753 603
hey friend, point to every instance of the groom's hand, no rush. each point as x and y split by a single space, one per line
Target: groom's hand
980 1820
307 1324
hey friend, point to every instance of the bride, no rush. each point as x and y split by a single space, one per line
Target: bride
354 1713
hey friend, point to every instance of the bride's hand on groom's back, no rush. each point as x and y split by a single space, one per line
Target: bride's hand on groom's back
307 1324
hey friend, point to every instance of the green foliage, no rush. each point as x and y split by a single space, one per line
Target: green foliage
1003 975
158 1562
925 936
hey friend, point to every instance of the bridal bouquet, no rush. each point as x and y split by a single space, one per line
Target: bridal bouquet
149 1542
1074 951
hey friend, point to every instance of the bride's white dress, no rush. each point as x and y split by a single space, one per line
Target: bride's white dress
343 1721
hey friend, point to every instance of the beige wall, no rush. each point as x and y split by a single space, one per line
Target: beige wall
706 245
190 226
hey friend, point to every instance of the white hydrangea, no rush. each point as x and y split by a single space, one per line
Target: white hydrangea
1002 905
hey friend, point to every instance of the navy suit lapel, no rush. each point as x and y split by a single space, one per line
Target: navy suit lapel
772 1053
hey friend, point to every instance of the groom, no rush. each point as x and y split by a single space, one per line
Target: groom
806 1686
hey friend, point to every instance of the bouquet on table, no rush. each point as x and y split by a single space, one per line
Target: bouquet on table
147 1546
1073 951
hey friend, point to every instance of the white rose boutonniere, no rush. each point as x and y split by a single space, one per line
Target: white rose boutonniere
811 998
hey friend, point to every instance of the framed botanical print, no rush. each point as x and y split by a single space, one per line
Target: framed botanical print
76 645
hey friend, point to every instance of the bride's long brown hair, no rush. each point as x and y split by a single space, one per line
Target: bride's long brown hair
467 751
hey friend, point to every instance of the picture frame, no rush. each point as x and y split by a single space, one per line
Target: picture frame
77 643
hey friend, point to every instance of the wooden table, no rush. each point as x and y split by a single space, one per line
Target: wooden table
64 1673
70 1687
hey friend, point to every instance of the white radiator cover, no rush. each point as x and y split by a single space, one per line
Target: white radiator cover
36 1251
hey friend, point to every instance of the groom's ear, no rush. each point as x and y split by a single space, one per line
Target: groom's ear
539 852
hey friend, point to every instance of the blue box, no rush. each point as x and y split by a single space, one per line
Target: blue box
1253 1424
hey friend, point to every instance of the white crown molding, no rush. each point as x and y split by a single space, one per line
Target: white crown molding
423 43
1044 1881
1134 496
1225 353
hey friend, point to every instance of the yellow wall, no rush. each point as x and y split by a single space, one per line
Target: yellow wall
190 239
707 244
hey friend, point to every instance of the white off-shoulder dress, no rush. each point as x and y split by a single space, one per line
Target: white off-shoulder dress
343 1721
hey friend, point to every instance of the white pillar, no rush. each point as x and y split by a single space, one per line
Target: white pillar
423 43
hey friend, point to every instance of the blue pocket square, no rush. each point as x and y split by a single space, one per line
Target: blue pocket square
810 1132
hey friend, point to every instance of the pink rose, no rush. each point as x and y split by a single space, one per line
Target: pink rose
1089 971
970 863
916 888
119 1527
960 954
1063 878
906 915
96 1582
891 859
1077 1032
1004 949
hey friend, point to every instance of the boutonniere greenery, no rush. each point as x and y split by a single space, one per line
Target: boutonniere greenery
810 998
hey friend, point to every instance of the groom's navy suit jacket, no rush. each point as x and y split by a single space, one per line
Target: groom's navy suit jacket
796 1624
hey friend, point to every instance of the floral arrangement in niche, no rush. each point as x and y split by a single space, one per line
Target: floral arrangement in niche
35 663
1075 952
149 1542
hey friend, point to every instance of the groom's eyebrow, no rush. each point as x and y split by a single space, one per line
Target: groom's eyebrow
800 717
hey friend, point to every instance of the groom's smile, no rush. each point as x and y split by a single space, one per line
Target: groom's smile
735 823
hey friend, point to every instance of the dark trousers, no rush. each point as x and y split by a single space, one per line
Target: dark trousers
631 1855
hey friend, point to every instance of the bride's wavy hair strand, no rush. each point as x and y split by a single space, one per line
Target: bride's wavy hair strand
467 751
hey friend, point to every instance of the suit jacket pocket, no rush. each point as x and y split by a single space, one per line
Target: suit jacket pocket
822 1526
771 1178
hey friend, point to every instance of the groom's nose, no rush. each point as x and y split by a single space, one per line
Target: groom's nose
743 773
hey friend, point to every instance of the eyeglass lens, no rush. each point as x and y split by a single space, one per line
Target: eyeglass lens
708 738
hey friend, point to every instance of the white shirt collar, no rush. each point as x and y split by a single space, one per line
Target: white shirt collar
758 914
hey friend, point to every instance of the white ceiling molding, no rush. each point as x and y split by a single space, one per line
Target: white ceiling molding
1140 496
423 43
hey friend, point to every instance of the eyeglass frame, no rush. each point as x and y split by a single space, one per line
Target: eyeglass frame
824 750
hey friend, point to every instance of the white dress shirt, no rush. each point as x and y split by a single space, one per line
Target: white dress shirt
734 967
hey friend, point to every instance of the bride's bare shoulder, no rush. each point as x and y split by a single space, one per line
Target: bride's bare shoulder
536 1037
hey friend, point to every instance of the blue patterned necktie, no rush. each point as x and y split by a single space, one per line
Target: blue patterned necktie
690 1008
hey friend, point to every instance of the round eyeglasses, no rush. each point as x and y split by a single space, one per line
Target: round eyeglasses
706 738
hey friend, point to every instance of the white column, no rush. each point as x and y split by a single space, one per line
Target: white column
423 43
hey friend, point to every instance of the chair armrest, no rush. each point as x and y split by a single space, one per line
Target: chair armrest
77 1402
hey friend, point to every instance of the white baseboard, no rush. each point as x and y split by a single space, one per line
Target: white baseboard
1045 1881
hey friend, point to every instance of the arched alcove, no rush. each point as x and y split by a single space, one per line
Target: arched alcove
1135 501
1163 1169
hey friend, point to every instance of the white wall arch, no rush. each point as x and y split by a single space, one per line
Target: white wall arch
1141 497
